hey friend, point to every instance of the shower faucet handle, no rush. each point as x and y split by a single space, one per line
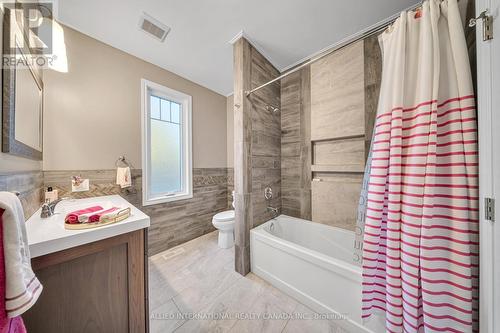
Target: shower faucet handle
268 193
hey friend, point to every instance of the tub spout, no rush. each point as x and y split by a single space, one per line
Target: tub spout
273 209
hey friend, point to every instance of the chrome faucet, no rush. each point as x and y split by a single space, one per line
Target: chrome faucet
48 208
273 209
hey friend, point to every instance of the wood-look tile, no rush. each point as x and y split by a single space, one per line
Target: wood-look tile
335 200
295 144
30 186
337 94
257 133
346 153
172 223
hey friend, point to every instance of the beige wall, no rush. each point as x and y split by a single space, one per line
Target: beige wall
93 112
230 131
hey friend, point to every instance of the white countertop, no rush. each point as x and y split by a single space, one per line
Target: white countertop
49 235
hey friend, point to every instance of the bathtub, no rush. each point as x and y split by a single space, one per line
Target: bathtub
314 264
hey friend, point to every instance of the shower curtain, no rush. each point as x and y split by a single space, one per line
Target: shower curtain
420 245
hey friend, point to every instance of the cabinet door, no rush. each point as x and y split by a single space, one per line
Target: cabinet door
97 287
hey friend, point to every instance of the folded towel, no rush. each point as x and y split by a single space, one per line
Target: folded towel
123 177
22 287
7 325
84 214
95 217
115 214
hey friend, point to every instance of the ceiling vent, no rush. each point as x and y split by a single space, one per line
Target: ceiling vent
153 27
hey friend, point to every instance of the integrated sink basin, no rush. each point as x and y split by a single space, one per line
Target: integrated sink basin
48 235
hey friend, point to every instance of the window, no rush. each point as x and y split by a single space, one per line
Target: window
166 144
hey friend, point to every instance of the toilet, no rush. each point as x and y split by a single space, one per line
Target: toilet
224 222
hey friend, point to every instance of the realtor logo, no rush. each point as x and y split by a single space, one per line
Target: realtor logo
30 27
28 40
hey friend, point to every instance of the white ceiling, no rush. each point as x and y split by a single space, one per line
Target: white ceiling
197 47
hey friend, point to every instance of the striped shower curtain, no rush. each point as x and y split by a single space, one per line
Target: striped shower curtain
420 246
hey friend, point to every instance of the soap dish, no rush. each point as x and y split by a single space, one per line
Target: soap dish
122 215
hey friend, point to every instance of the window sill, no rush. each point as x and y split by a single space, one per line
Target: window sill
165 199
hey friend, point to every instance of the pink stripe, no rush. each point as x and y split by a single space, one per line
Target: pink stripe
439 115
447 305
455 99
417 165
437 248
426 124
416 195
457 153
425 185
431 133
405 203
450 111
449 239
461 131
426 104
465 120
425 258
438 175
418 226
425 291
463 142
402 270
446 217
442 329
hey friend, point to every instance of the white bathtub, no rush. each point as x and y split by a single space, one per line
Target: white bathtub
313 263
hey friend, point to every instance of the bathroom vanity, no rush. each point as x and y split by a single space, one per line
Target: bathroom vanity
94 280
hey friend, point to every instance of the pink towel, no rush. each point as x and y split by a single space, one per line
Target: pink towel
72 218
97 216
7 325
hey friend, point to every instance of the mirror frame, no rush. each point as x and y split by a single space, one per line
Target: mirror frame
9 143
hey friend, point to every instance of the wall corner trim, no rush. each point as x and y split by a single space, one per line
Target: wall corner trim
243 34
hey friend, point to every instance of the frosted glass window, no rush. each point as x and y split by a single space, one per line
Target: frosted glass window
175 109
167 137
165 109
166 158
155 107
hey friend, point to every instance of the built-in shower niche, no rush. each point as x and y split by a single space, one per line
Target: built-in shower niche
344 93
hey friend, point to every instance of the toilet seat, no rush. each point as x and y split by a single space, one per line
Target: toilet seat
226 216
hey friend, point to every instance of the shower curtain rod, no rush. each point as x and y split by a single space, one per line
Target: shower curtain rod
380 26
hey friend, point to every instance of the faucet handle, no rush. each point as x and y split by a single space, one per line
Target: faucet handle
49 207
46 211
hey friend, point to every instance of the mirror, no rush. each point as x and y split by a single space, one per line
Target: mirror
22 97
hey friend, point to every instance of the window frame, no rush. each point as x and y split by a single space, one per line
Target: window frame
147 88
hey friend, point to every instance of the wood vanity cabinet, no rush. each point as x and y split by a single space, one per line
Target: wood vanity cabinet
96 287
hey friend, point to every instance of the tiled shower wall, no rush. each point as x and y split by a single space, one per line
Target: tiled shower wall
327 117
257 136
296 144
172 223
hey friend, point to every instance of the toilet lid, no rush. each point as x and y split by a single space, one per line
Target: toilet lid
228 215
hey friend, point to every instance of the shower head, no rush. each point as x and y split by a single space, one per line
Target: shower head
273 109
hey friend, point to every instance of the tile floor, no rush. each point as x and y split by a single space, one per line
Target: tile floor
194 288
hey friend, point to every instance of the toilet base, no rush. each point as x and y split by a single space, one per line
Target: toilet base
226 239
